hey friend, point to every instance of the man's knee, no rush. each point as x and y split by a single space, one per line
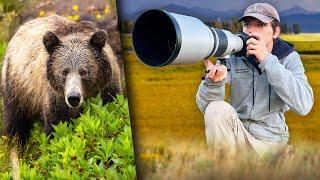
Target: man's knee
219 111
218 107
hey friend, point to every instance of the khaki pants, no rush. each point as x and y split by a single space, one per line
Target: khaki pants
224 130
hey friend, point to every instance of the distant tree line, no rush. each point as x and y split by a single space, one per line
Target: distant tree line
234 26
231 25
287 29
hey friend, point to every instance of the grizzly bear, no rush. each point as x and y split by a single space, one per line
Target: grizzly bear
51 66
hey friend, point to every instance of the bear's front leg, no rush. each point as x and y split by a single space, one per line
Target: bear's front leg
110 93
16 122
54 111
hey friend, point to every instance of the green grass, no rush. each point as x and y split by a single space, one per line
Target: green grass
3 47
97 144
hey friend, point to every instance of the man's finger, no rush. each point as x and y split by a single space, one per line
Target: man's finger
208 64
221 70
219 73
252 41
251 47
251 52
212 73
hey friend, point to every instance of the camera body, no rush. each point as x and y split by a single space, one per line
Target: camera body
245 37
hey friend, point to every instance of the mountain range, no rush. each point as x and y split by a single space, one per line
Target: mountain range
309 21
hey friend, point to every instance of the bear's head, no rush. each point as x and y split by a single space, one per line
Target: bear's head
77 67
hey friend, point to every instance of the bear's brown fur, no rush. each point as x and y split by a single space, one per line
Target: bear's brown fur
51 65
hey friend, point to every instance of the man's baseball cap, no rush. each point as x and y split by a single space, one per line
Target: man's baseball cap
262 11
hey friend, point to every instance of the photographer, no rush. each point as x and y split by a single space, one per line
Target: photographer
261 91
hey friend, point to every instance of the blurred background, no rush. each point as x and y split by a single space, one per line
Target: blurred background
165 119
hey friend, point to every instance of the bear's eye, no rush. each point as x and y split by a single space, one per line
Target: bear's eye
65 72
83 72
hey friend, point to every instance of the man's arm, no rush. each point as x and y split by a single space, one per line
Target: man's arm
212 88
209 91
289 81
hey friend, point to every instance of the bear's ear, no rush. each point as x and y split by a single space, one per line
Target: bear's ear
98 40
50 41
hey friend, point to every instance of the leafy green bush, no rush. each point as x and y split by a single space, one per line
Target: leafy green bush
10 16
97 144
7 6
3 47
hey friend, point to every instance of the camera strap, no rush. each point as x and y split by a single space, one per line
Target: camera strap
252 60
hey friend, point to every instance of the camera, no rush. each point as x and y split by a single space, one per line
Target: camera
245 37
161 38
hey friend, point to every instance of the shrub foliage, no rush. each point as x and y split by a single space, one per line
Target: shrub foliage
97 144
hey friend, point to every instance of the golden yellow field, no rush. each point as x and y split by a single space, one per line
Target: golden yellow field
301 37
162 104
164 113
305 43
162 101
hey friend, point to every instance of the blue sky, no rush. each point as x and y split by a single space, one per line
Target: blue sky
129 6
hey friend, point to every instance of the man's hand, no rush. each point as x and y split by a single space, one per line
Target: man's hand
216 72
257 47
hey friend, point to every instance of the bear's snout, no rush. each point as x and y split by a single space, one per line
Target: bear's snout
74 99
73 91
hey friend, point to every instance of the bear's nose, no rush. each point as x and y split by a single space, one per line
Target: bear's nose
74 99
